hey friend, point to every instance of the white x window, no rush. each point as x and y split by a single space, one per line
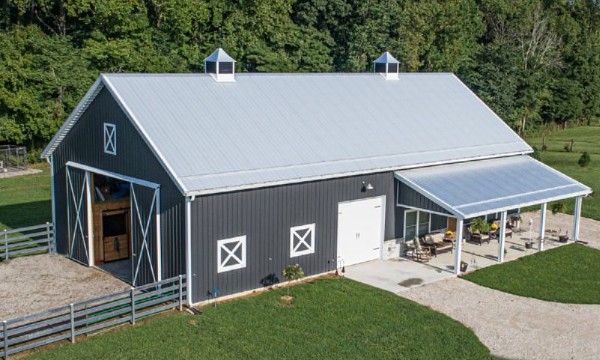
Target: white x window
231 253
302 240
110 139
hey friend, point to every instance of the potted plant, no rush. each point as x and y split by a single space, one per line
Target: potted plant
479 225
515 221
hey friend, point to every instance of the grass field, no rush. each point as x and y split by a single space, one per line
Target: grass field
25 200
329 319
585 139
568 274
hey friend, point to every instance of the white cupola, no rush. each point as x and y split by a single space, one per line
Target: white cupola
220 65
387 65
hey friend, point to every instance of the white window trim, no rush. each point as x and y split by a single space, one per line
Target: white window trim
308 239
110 138
241 240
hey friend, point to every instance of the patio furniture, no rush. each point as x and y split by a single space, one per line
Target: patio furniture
418 252
479 238
437 244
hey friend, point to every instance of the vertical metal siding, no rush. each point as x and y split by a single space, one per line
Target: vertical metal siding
410 197
84 144
265 216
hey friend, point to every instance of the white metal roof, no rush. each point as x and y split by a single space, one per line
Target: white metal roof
268 129
476 188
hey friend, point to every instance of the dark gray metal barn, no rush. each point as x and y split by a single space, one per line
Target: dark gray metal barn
230 177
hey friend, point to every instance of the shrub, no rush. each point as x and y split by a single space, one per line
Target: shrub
557 207
536 154
584 160
292 272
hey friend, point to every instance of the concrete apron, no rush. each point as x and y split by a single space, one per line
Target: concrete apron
395 275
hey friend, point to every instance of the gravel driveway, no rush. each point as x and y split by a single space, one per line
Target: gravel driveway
31 284
518 327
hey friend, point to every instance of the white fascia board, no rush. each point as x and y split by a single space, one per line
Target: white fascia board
340 175
73 118
144 135
529 203
483 202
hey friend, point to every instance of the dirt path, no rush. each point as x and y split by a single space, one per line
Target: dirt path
516 327
32 284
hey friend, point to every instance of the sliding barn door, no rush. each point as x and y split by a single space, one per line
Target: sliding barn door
77 213
144 232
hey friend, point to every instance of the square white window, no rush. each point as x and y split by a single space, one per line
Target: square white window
231 253
302 240
110 139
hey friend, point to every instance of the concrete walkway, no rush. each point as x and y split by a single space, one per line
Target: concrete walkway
395 275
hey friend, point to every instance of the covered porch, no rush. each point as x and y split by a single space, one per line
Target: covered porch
487 189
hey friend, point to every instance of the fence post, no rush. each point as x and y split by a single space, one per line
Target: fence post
132 306
5 330
5 245
72 323
48 237
180 292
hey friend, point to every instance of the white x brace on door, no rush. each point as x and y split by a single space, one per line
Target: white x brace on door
77 214
145 207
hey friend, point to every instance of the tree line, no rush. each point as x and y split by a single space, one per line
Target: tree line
535 63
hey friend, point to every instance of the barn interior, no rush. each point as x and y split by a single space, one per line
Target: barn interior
111 217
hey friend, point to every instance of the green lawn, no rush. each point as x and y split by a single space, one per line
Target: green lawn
329 318
568 274
587 138
25 200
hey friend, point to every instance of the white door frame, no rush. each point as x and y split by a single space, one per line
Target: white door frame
155 204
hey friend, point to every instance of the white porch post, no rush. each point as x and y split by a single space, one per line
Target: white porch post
576 218
458 248
501 236
542 226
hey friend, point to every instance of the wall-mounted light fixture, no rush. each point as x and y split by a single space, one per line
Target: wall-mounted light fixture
366 187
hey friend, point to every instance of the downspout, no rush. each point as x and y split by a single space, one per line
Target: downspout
188 247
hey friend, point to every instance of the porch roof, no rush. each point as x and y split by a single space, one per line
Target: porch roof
476 188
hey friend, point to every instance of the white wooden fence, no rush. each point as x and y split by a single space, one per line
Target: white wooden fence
67 322
27 240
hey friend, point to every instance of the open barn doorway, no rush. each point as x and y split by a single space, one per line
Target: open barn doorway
114 223
111 218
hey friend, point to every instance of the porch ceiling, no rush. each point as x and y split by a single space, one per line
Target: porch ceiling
476 188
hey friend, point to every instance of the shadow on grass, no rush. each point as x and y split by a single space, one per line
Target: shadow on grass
25 214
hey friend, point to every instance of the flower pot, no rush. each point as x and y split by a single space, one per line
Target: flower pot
563 238
463 266
528 245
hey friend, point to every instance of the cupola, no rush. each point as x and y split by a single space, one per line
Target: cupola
387 65
220 65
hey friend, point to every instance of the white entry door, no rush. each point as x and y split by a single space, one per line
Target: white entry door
360 230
